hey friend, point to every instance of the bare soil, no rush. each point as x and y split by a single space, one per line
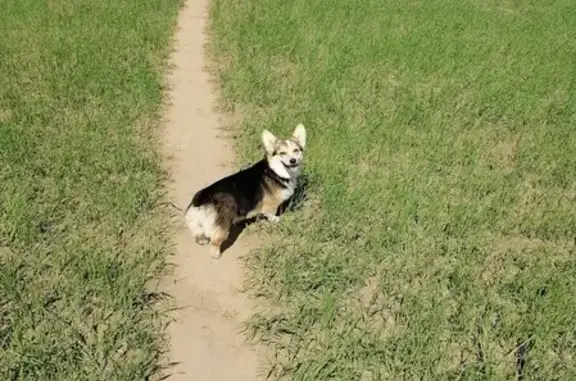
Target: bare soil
206 338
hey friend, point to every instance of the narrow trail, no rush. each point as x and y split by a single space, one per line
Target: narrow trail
206 339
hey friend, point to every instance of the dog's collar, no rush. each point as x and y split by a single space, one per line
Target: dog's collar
277 177
283 181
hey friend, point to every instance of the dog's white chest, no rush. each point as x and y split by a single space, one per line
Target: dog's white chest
288 192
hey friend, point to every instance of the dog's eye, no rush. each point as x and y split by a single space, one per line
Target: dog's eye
283 153
296 150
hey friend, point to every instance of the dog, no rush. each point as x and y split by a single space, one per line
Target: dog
255 191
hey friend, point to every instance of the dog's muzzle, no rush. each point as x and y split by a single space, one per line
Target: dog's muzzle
293 164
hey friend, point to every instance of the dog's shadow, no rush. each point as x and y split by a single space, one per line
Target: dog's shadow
235 232
293 203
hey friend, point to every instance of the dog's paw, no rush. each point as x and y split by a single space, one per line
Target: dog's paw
272 218
202 240
215 252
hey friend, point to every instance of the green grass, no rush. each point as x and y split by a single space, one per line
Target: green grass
80 180
436 239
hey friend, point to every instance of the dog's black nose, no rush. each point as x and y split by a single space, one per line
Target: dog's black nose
292 161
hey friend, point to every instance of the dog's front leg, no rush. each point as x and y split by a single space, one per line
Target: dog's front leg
269 211
272 217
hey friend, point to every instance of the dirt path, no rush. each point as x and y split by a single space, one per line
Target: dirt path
206 342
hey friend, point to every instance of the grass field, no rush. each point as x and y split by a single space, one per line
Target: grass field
80 234
436 240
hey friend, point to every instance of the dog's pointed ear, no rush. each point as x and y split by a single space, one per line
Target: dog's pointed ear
269 140
300 135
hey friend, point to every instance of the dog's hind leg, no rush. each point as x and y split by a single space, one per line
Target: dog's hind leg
216 242
219 236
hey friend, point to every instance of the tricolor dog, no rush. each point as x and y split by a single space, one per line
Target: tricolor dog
257 190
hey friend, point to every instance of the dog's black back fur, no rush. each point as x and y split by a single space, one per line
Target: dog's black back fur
238 194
